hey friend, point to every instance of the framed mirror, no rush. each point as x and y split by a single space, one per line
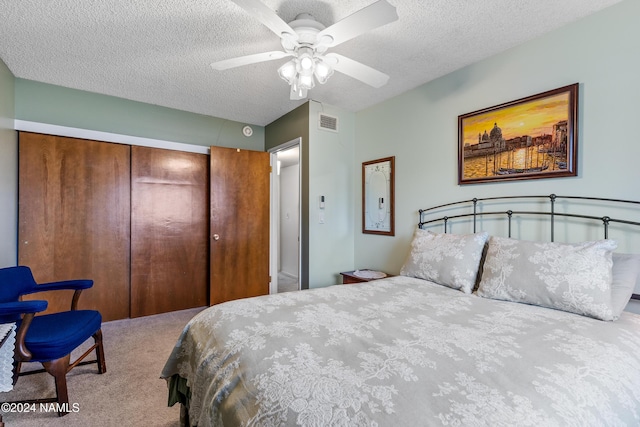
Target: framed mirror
378 196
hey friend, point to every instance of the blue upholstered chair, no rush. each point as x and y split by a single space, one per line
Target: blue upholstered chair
48 338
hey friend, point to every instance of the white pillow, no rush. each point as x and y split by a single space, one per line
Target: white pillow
570 277
626 272
447 259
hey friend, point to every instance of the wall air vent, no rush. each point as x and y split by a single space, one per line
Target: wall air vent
327 122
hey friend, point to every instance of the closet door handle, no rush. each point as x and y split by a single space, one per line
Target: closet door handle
216 237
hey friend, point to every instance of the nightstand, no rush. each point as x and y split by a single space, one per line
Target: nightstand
350 277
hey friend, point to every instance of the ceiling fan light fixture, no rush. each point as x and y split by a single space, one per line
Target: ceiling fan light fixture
306 63
299 72
297 91
288 72
322 71
305 59
306 82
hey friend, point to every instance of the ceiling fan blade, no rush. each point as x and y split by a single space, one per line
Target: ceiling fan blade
357 70
368 18
249 59
267 16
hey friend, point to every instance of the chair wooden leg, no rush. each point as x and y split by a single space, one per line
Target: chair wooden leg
59 368
16 370
184 416
102 365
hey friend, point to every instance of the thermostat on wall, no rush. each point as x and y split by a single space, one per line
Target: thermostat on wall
247 131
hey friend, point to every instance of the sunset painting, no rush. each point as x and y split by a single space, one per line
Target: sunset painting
529 138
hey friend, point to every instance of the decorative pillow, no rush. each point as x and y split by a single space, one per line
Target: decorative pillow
574 278
626 272
447 259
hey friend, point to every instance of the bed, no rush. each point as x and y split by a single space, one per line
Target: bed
476 330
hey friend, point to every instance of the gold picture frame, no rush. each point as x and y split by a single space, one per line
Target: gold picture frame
529 138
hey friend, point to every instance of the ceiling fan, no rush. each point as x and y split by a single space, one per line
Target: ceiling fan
307 41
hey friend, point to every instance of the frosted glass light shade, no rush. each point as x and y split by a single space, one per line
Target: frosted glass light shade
288 72
322 71
307 82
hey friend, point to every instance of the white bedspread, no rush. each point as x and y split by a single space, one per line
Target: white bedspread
406 352
6 355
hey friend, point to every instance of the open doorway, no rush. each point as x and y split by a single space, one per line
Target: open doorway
285 217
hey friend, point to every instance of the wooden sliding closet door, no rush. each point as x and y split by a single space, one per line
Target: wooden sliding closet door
169 230
74 216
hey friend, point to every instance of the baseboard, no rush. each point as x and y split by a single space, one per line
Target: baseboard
289 275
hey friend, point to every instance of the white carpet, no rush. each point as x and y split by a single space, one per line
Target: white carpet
286 283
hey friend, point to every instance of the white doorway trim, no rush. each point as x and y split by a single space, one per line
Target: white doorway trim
274 231
27 126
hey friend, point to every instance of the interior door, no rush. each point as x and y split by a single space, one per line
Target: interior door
239 224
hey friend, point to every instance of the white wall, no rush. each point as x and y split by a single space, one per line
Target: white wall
289 219
419 127
331 175
8 176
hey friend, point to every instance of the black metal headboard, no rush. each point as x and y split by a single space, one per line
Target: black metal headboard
435 215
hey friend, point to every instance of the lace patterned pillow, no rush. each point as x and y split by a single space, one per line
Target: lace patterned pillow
569 277
447 259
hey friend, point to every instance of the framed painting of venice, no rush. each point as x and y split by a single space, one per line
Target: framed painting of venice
533 137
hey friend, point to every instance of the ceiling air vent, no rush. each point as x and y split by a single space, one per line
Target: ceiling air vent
327 122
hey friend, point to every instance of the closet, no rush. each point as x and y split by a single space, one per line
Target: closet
133 219
169 230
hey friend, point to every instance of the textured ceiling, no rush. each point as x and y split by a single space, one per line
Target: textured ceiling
159 52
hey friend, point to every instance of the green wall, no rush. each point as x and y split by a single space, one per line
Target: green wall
8 167
295 124
292 125
45 103
327 162
419 127
331 175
